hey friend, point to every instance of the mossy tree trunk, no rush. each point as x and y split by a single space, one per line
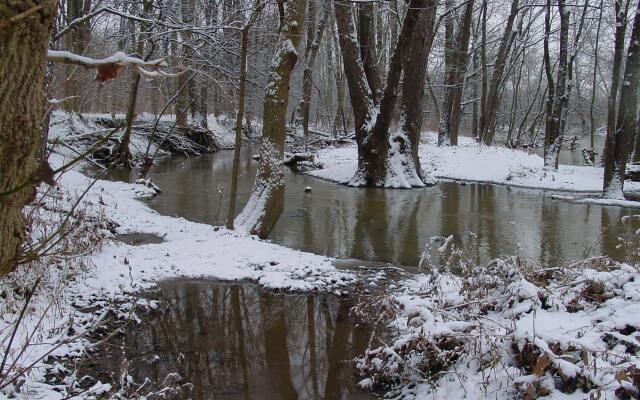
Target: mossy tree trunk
23 45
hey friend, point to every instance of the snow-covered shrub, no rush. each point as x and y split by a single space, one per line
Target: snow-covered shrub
510 330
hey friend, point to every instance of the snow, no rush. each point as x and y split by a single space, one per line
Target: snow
473 162
116 58
492 313
73 134
118 270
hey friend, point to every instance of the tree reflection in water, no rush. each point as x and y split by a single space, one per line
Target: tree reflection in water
238 341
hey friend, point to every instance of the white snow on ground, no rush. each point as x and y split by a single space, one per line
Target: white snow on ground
119 270
506 331
69 130
470 161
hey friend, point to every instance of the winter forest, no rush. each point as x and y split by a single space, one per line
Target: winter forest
319 199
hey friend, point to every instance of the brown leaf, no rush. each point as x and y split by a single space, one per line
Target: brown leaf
542 363
622 376
107 72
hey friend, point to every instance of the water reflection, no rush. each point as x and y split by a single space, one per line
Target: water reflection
395 225
241 342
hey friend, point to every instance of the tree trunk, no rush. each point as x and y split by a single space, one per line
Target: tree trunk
557 96
372 122
244 47
184 82
77 41
608 154
368 49
613 187
315 33
454 81
23 45
267 199
413 88
491 99
122 155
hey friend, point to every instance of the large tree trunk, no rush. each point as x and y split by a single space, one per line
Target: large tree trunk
411 107
23 45
491 100
613 187
373 121
618 56
368 54
267 200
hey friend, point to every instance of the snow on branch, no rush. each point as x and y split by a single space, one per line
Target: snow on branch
109 67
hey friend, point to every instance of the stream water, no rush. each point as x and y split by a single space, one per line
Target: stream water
237 341
394 226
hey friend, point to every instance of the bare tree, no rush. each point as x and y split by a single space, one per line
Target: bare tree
491 98
244 48
267 199
455 79
626 121
381 161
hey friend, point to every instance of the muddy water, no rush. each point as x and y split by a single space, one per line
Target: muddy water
396 225
238 341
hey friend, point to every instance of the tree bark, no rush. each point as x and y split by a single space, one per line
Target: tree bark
413 88
613 187
267 199
23 45
244 48
454 81
491 99
372 121
608 154
557 97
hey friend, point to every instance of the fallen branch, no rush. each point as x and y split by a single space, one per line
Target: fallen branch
109 67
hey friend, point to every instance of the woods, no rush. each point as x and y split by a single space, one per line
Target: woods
444 193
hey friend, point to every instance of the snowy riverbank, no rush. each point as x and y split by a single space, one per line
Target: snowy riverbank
470 161
77 297
507 330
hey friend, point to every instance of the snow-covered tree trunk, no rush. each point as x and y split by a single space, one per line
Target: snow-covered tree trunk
612 104
122 154
266 203
380 158
244 49
411 105
23 45
184 83
613 187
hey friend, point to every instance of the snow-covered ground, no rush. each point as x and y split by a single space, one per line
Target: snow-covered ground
73 133
470 161
506 331
118 270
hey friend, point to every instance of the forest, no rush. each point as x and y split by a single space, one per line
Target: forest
319 199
